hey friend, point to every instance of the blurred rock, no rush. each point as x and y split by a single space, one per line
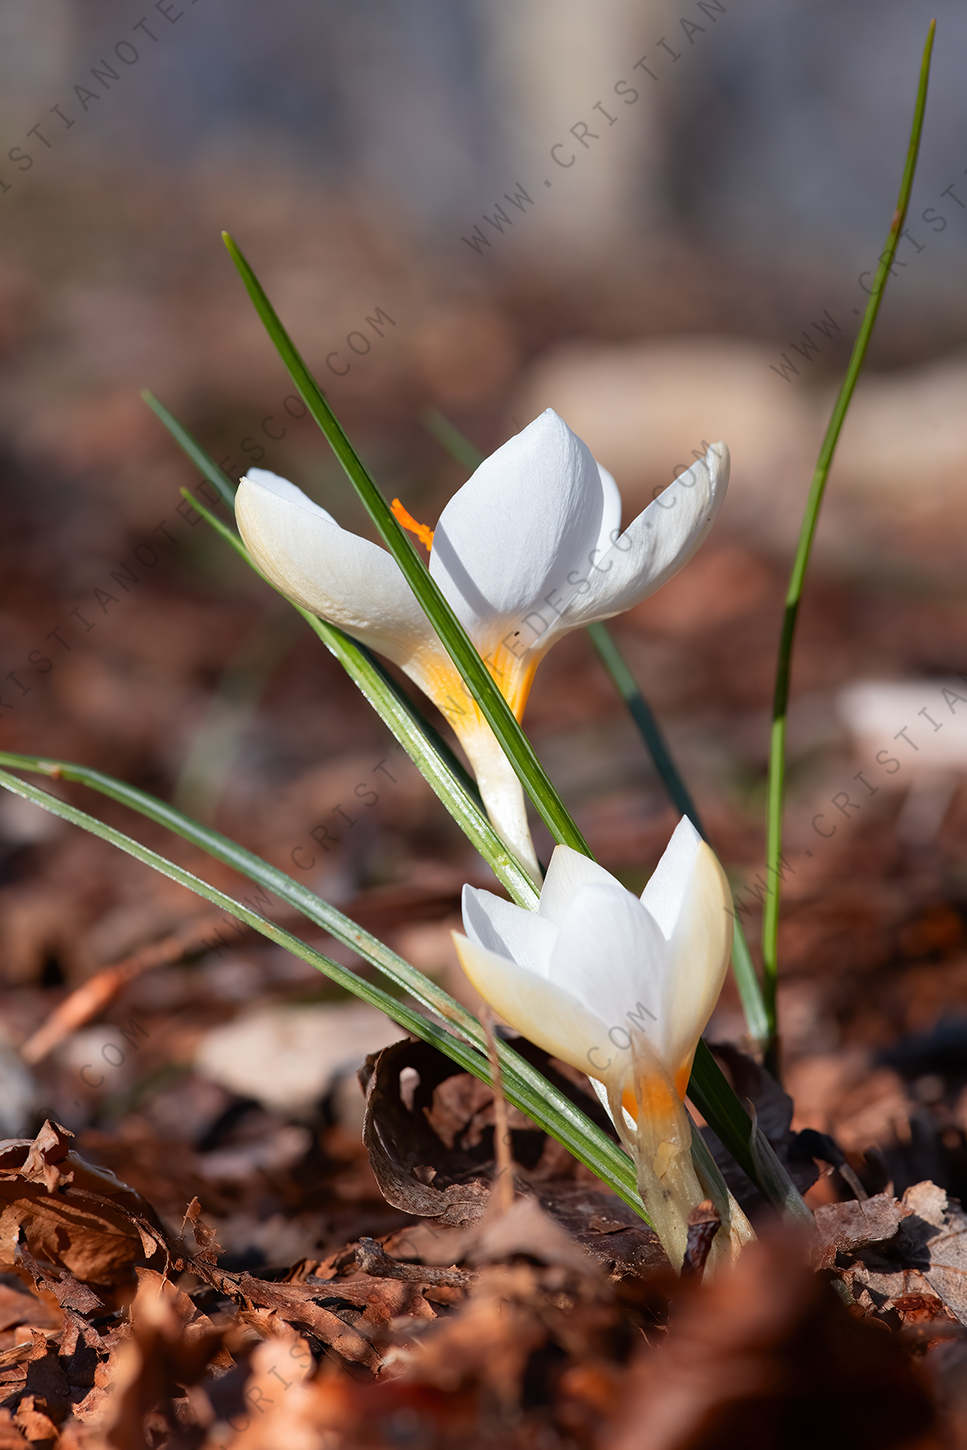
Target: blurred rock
288 1058
915 721
647 409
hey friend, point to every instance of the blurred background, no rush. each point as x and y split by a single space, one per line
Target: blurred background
657 218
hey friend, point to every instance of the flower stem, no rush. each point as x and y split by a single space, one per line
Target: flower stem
777 744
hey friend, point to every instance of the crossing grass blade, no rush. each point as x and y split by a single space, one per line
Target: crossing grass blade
422 743
460 1037
750 992
709 1089
746 978
458 644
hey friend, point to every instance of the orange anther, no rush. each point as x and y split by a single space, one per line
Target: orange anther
409 523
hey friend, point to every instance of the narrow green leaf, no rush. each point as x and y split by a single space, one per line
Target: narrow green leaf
770 1170
715 1098
523 1085
750 993
216 476
532 1092
451 439
457 642
429 752
780 704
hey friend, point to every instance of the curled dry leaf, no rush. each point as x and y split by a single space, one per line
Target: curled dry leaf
414 1168
69 1213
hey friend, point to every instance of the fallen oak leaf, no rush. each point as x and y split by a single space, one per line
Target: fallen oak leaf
18 1307
167 1345
204 1235
10 1436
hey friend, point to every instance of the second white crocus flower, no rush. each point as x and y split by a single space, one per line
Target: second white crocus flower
621 988
528 549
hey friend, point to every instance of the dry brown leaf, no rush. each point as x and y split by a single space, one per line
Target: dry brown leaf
408 1158
170 1344
69 1213
843 1228
934 1238
765 1357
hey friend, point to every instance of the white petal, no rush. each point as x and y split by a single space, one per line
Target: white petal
603 1097
612 957
656 544
611 514
328 570
699 952
501 927
665 892
505 543
275 483
569 870
536 1007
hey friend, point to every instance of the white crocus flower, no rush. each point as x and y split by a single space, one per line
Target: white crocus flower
620 988
529 548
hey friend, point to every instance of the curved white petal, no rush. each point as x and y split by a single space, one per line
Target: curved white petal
656 544
699 952
328 570
668 886
532 512
282 488
611 956
501 927
568 871
538 1008
611 513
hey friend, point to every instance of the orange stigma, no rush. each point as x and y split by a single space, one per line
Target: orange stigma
409 523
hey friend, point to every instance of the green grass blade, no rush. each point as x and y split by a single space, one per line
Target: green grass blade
215 475
458 644
429 753
451 439
523 1085
422 743
709 1089
777 744
641 712
746 979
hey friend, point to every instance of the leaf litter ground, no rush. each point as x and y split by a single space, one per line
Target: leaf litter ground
193 1264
